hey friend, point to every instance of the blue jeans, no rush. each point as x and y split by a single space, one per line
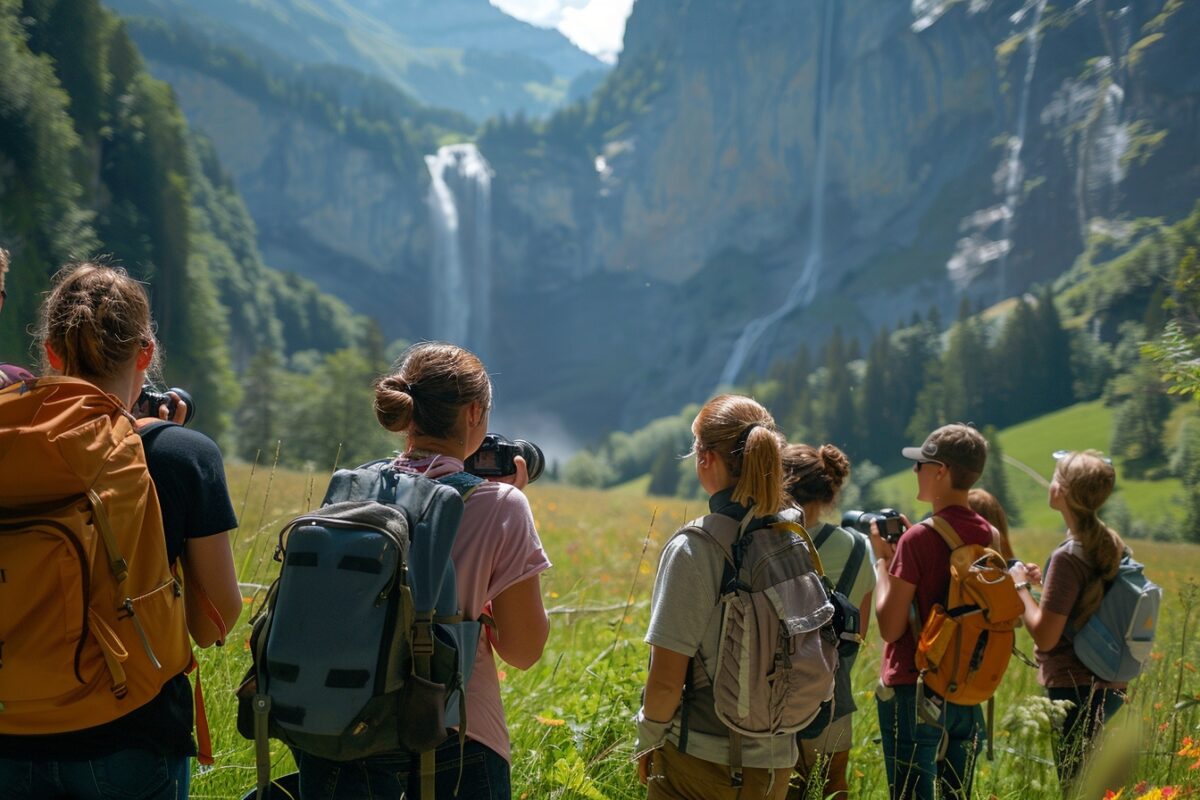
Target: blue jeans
393 776
124 775
1092 708
911 745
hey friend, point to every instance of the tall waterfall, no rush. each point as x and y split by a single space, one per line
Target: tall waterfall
460 206
1014 171
804 289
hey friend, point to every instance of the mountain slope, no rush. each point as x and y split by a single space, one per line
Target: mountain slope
461 54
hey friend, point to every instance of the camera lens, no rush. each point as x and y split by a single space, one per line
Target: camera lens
535 461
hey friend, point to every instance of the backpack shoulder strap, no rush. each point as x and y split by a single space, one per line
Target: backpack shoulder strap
799 530
823 535
462 482
946 531
853 564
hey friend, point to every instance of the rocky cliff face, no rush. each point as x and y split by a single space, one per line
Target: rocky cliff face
784 167
969 148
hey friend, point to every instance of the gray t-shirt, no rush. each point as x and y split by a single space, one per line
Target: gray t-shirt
685 617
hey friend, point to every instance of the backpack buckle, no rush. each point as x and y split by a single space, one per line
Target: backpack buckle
422 640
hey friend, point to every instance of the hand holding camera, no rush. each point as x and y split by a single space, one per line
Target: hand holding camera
518 462
174 405
884 528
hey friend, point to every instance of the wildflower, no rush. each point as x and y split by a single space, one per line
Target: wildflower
551 721
501 674
1111 795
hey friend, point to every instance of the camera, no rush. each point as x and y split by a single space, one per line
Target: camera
886 519
494 458
149 401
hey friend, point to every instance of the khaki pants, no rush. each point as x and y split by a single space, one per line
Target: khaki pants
825 760
678 776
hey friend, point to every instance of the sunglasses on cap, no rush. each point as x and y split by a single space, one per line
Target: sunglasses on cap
1061 454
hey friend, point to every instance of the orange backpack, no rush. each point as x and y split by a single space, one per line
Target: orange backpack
965 646
92 617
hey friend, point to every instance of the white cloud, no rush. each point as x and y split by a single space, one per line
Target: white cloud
595 26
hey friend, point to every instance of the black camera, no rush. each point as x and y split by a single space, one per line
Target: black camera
494 458
886 519
149 401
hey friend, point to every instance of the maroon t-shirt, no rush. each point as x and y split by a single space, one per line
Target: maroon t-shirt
923 559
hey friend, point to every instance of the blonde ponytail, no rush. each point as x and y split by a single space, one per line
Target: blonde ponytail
743 434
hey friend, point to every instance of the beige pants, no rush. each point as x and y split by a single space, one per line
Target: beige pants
825 760
678 776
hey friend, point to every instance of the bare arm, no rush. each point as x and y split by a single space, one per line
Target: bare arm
522 626
1046 627
893 596
209 578
664 689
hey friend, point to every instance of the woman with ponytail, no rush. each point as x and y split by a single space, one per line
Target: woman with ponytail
814 479
440 397
738 461
1074 586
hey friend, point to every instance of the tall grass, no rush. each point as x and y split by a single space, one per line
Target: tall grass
570 715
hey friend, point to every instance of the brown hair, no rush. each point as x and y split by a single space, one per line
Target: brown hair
985 504
432 382
95 318
814 475
1086 481
3 265
743 434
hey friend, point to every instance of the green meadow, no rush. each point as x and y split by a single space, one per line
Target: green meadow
570 714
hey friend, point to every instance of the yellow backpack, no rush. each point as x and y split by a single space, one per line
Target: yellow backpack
92 617
965 645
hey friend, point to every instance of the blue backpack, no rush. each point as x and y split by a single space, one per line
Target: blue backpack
1114 643
360 647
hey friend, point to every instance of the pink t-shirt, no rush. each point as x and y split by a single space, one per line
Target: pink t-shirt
497 546
923 559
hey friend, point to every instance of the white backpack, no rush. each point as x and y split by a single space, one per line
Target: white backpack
777 655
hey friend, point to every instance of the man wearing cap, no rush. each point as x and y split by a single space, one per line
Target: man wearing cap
936 743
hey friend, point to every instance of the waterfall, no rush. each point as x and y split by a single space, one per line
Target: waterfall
1014 172
460 207
804 289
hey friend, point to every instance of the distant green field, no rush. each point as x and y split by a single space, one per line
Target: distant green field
1154 506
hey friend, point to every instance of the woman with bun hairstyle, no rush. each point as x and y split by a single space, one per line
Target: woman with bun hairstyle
439 396
814 479
1073 588
95 325
738 461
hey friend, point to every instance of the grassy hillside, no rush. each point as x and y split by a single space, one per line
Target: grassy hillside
570 714
1154 506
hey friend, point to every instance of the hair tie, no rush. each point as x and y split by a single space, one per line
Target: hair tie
740 447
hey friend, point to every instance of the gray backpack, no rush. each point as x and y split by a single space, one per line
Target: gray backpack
777 653
360 647
1114 643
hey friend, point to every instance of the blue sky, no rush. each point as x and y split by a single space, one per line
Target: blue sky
596 26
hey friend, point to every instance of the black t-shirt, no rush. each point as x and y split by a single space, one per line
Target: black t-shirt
189 478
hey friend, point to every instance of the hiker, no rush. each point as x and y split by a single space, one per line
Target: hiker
1072 590
440 396
985 504
95 326
917 570
9 373
814 479
685 747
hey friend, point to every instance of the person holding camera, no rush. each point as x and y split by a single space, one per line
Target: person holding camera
95 326
927 740
1074 585
738 461
813 479
440 397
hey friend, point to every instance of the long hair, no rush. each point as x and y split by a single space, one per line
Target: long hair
1086 481
95 319
743 435
424 394
985 504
